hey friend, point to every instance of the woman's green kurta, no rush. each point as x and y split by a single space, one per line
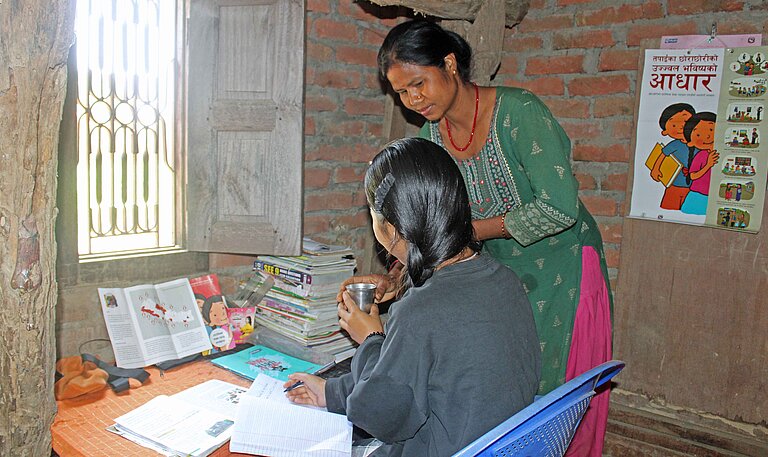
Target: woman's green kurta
524 169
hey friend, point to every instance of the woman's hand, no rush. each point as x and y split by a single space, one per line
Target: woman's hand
384 286
311 393
356 322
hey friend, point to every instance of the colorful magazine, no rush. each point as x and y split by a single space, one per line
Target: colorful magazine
260 359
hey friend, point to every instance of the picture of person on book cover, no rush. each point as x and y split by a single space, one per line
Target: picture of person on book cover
699 132
215 316
672 121
213 307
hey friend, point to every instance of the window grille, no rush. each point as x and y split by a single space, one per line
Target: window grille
126 120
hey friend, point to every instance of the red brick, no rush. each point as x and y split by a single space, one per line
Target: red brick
349 174
554 65
348 128
355 153
736 5
588 152
316 177
309 125
520 43
337 78
319 103
599 205
319 6
616 181
571 2
619 59
611 232
620 14
586 182
375 130
692 7
568 107
360 56
373 37
355 106
373 81
335 30
637 33
541 86
355 9
599 85
736 26
612 257
622 129
319 52
316 224
317 201
508 65
578 130
583 40
546 23
614 105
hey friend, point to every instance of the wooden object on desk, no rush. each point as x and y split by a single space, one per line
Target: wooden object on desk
79 428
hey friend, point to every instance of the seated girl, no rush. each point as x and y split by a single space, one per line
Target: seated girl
459 353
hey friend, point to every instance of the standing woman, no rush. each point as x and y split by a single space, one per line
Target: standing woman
515 159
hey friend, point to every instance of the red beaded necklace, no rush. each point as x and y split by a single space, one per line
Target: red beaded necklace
474 123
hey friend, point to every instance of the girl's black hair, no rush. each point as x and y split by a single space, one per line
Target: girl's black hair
208 304
424 43
426 201
694 120
691 124
673 109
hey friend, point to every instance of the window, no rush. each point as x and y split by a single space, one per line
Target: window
188 117
127 170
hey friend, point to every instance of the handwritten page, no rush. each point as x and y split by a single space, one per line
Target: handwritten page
267 423
269 388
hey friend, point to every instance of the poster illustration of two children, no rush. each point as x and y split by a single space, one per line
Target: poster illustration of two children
698 158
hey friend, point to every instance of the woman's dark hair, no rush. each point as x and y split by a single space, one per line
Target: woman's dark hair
417 187
426 44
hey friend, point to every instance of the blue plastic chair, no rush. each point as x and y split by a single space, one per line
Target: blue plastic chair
546 426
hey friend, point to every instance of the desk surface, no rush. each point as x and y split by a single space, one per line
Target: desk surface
79 429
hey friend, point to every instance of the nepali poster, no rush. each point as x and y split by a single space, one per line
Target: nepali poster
698 153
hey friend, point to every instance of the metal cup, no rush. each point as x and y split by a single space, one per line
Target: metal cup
362 293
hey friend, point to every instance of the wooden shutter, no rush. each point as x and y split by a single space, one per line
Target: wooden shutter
245 126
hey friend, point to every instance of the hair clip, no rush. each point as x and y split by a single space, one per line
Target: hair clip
382 191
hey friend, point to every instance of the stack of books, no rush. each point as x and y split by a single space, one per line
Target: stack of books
301 304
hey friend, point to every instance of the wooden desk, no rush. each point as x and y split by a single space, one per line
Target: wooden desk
79 429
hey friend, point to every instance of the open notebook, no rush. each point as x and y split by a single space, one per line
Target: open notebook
267 423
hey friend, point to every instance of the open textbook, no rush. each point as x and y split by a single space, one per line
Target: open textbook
150 324
267 423
260 420
194 422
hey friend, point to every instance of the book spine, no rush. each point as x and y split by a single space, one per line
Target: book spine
281 272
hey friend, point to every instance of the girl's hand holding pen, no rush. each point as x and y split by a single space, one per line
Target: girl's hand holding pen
311 391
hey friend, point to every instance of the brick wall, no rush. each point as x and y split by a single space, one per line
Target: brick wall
581 57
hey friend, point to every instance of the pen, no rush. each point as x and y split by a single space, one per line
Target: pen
294 385
320 370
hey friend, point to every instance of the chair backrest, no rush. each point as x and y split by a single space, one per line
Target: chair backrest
546 426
